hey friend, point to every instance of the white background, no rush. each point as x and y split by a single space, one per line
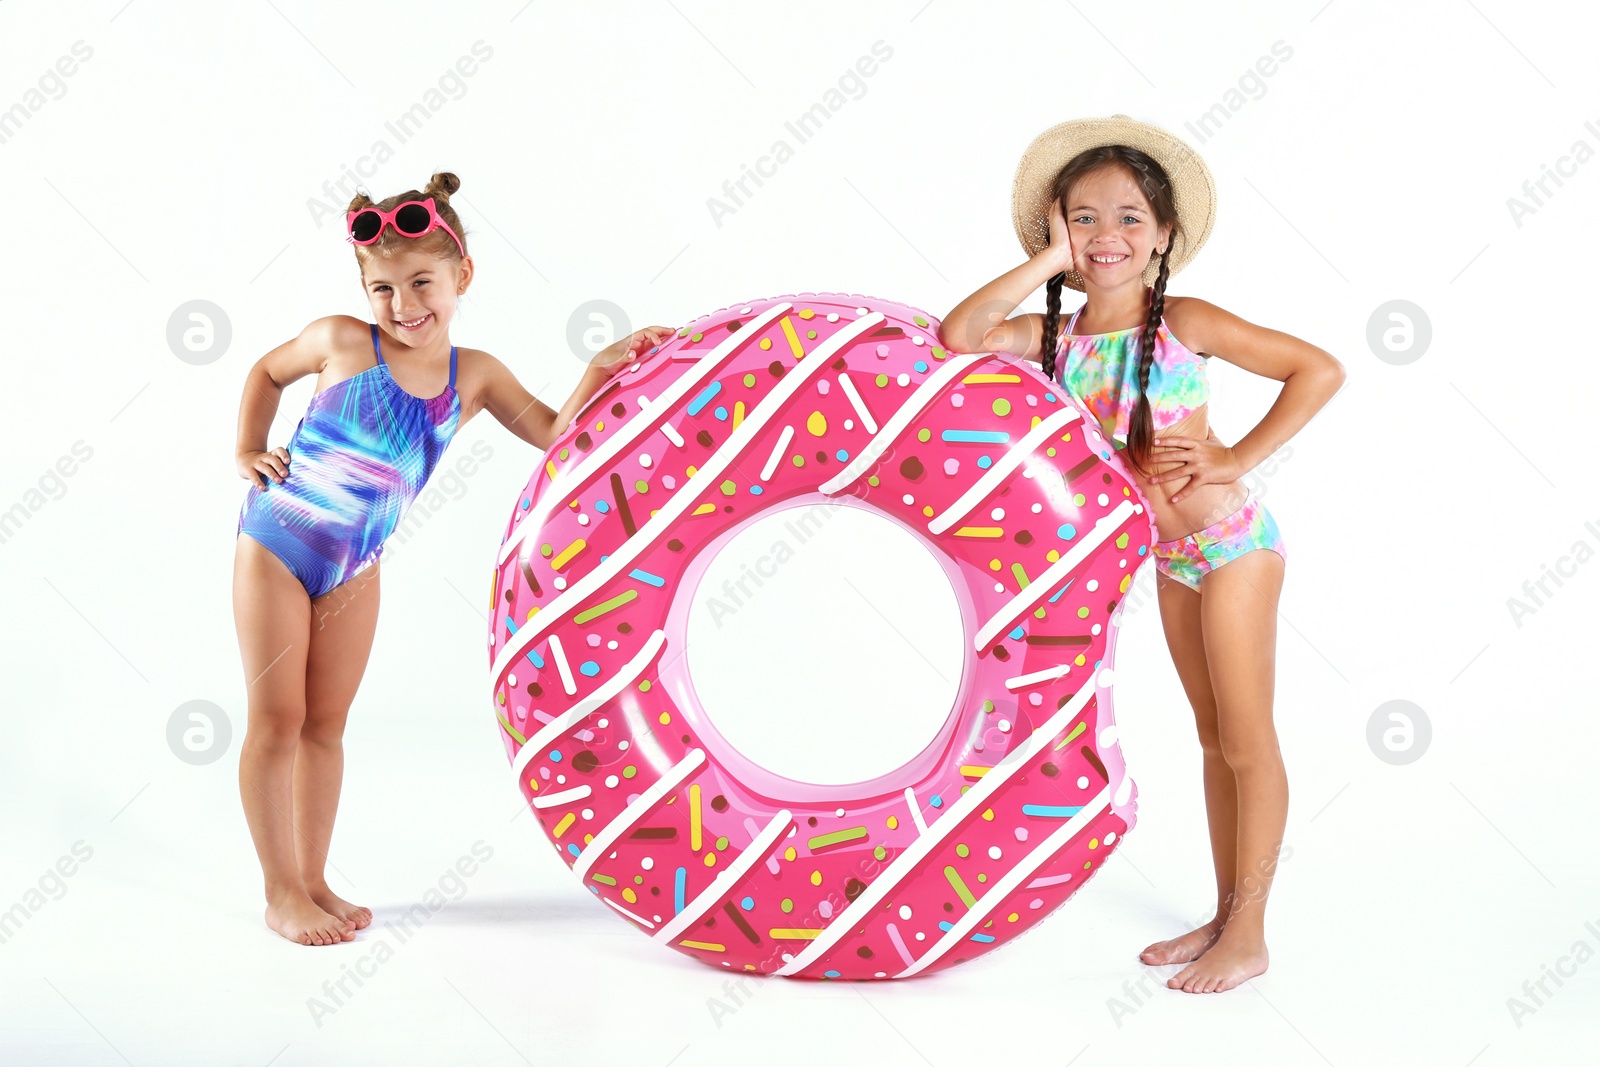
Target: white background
1373 165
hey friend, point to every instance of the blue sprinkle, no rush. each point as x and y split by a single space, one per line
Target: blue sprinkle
533 657
1050 397
589 668
985 938
755 490
830 974
526 503
601 506
595 890
574 849
984 462
1066 531
946 925
605 557
704 397
1015 635
1052 811
920 367
841 455
1141 550
936 801
677 889
979 437
555 755
721 413
1063 589
747 903
646 576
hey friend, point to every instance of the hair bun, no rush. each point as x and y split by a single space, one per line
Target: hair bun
442 184
359 201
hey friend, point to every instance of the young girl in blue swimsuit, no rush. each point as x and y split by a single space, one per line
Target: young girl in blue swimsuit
314 520
1113 207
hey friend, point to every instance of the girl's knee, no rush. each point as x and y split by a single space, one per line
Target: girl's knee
1253 751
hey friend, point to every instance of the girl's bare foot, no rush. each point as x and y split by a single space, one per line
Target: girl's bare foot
1233 959
297 917
1183 949
340 908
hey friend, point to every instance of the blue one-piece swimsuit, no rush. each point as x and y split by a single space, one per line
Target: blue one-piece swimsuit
358 459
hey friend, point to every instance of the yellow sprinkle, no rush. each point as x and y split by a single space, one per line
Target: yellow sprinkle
694 816
817 423
567 553
780 933
789 853
551 467
738 413
703 509
982 379
988 813
794 341
816 877
566 820
630 896
974 772
980 531
711 859
665 718
709 946
893 822
766 343
806 313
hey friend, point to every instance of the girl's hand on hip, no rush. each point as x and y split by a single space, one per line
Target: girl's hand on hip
1202 462
258 467
619 354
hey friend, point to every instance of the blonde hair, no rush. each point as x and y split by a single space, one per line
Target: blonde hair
437 243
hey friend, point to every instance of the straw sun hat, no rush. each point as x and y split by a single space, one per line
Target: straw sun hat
1194 193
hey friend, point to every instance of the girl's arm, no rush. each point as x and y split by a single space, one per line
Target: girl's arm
979 323
536 422
1310 376
264 385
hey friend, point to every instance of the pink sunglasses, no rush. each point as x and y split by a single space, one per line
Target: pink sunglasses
414 218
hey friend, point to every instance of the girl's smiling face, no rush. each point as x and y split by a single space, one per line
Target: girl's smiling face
413 294
1112 228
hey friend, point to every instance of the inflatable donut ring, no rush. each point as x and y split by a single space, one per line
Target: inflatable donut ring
782 403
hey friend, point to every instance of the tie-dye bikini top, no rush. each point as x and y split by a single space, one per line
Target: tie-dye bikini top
1102 371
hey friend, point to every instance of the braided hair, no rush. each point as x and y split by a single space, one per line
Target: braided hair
1157 188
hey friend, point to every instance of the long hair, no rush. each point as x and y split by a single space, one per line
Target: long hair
1153 181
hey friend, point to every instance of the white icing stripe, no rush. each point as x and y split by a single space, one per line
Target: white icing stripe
972 800
856 402
550 800
1038 589
1022 450
777 452
672 433
953 367
558 726
1010 881
723 884
559 654
558 492
707 476
916 810
646 923
614 829
1049 674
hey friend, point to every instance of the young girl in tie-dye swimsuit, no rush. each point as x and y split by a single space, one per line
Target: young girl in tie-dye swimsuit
314 521
1149 392
1102 371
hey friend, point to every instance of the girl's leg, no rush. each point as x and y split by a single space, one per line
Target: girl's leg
343 622
1180 620
1239 617
273 616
